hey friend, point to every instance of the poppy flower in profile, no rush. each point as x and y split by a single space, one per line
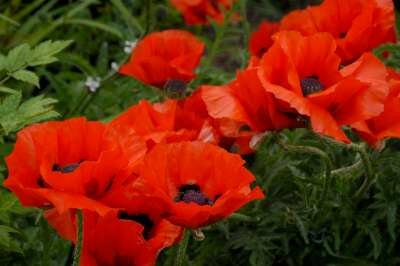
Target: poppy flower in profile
201 182
303 74
261 39
199 11
245 108
387 124
166 56
66 165
358 26
125 240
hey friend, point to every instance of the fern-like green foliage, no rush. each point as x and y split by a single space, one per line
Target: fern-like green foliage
14 112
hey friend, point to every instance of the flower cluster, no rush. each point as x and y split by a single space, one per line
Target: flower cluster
158 168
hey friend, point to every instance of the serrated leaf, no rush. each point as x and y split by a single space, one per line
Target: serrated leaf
17 57
5 238
45 51
26 76
14 116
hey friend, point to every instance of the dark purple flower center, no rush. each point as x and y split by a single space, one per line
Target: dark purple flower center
175 88
142 219
311 85
192 193
69 168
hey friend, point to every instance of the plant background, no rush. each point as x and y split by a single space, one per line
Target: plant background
293 226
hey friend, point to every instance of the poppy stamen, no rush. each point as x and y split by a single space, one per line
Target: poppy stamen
142 219
65 169
311 85
192 193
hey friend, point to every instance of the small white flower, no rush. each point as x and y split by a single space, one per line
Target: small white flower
114 66
129 46
92 83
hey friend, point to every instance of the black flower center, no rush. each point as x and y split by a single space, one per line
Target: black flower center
175 88
311 85
69 168
192 193
342 35
142 219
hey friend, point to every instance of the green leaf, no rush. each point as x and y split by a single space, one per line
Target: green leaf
95 24
44 52
17 57
14 116
26 76
9 20
5 239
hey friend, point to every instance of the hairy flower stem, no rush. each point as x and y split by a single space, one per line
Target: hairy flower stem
369 172
313 151
78 245
219 35
243 218
181 249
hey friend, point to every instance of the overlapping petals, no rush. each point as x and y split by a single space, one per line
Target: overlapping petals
357 26
201 182
67 165
163 56
199 11
113 240
303 73
386 124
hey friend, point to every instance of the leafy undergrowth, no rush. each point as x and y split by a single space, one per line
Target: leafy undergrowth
302 221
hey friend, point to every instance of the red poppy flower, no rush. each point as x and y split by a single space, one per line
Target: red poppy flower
192 114
387 124
245 109
357 25
67 164
261 39
125 240
201 182
303 74
245 100
164 56
199 11
170 121
154 123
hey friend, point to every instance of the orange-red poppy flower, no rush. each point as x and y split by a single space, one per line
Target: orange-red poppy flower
387 124
199 11
245 110
67 165
201 182
125 240
164 56
245 101
261 39
170 121
358 26
303 74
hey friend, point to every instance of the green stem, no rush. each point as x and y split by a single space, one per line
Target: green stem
78 245
148 16
219 35
243 218
182 246
246 30
348 169
369 172
313 151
